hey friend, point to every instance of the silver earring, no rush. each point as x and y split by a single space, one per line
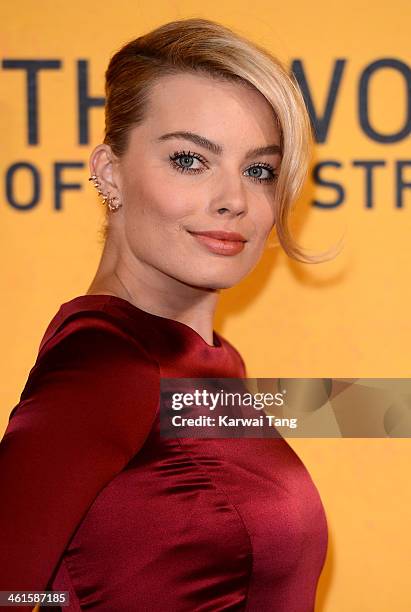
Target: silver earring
106 198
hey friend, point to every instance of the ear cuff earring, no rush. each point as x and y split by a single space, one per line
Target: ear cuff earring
106 198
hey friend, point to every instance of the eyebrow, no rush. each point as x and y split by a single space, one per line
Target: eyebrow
218 149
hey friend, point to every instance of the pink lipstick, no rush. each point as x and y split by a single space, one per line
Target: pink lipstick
222 243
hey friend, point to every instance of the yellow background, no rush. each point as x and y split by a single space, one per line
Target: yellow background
346 318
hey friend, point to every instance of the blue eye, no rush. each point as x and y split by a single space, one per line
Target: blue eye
261 167
187 159
183 161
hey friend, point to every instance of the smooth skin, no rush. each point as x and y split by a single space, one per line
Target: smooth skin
150 258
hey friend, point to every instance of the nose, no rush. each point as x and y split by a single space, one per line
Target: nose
230 199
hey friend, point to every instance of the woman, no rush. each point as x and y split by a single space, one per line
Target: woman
206 148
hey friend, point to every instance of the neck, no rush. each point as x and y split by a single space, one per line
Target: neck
155 292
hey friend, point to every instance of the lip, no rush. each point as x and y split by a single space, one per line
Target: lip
217 242
220 235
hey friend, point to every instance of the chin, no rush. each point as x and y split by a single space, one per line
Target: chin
212 281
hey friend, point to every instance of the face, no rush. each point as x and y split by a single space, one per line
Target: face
174 186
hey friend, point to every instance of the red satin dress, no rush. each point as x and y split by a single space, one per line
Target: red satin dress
96 503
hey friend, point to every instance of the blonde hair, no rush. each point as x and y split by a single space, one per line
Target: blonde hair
202 46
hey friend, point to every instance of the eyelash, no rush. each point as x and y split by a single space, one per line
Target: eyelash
178 154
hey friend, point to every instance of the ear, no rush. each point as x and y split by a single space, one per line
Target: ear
102 162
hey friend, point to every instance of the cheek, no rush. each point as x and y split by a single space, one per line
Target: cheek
169 205
146 199
264 221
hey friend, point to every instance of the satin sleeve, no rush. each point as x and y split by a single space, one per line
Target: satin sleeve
88 406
